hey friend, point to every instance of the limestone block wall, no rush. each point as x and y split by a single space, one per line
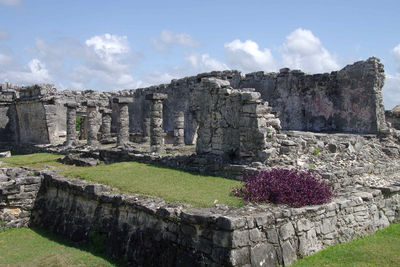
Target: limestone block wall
32 123
18 191
151 232
232 123
348 100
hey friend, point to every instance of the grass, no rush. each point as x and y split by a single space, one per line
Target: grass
35 247
169 184
380 249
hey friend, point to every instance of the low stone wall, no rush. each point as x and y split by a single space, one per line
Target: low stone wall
18 191
151 232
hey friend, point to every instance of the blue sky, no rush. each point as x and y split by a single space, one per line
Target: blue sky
109 45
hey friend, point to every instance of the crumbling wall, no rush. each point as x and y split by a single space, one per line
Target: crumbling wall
348 100
393 117
18 190
231 123
151 232
179 99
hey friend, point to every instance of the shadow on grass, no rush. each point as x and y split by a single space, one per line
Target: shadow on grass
82 247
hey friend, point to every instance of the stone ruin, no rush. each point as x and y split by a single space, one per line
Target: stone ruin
334 123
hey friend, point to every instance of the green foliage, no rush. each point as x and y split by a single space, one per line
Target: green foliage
79 121
311 166
133 177
316 151
35 247
380 249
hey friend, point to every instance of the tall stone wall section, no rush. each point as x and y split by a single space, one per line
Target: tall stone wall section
232 123
348 100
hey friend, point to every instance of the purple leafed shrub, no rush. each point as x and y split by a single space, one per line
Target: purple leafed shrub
282 186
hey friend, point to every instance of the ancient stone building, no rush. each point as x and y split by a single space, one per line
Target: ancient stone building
348 100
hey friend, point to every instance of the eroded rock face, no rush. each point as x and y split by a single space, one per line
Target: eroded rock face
231 123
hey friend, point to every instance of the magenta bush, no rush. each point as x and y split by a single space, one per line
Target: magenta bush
282 186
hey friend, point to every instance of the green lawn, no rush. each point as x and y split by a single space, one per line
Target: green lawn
171 185
32 247
379 250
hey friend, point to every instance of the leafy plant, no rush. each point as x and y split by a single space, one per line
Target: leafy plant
316 151
284 186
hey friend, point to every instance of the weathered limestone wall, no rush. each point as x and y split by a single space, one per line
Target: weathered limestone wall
151 232
18 191
232 123
348 100
32 123
393 117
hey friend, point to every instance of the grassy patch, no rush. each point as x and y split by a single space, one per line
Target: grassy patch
33 247
380 249
171 185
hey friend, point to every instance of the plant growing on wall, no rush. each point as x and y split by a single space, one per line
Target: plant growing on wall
284 186
79 120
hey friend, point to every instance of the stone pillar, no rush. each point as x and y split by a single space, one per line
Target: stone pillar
91 125
156 121
179 131
71 124
83 131
123 124
105 128
146 130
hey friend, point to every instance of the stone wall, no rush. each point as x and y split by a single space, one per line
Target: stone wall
151 232
348 100
18 191
231 123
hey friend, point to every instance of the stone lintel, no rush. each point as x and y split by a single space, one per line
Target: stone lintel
123 100
105 111
156 96
90 103
71 105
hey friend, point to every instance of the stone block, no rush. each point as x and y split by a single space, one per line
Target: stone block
156 96
123 100
263 255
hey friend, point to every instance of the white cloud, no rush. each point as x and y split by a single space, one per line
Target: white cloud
5 59
102 62
109 46
204 63
4 35
303 50
34 72
396 53
168 38
10 2
247 56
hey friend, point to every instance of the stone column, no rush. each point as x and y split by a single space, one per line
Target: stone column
71 124
105 128
146 130
123 124
179 131
156 121
91 125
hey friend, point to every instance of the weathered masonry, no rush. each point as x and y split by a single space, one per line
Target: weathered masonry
348 100
151 232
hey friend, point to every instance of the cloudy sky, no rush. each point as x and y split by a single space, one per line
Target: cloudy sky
109 45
